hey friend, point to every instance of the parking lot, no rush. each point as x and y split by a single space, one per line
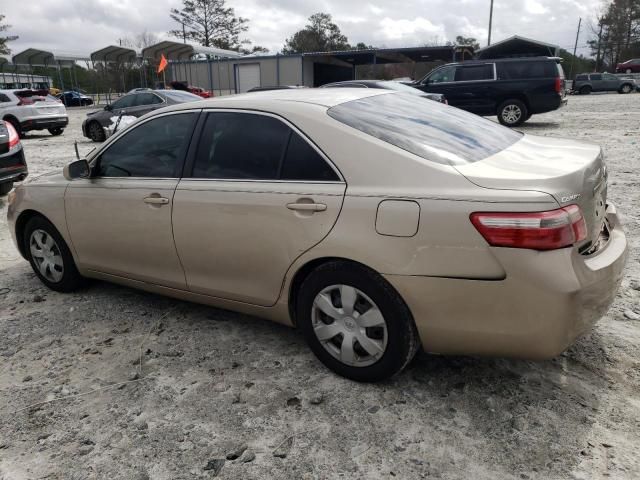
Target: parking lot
116 383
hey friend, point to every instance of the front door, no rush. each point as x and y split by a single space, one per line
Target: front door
120 218
259 196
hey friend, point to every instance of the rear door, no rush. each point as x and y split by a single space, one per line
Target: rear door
259 195
476 87
610 82
597 82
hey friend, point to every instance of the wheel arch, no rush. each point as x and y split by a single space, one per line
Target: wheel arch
21 223
305 270
512 96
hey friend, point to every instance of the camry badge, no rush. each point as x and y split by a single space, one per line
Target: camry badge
570 198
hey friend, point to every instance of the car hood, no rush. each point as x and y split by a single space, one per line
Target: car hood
571 171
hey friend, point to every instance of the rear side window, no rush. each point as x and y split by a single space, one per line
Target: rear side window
524 70
124 102
596 77
245 146
474 72
302 162
146 99
426 128
4 98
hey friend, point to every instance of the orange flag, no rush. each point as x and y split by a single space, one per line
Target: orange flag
163 64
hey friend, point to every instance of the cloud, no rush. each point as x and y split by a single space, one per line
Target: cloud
86 26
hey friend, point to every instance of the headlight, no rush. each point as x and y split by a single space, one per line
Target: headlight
11 197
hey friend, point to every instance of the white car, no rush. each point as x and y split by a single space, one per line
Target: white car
28 110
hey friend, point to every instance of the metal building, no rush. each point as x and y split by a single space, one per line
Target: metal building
517 46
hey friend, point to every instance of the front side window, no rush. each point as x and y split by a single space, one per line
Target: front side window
146 99
596 77
124 102
426 128
443 75
246 146
608 76
474 72
153 149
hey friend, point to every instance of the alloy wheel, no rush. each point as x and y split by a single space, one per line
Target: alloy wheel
626 89
349 325
46 255
511 114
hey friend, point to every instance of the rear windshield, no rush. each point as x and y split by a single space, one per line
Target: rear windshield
426 128
180 96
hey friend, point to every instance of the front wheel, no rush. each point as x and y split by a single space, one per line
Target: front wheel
626 88
628 71
586 90
512 113
50 257
56 131
5 188
355 322
96 132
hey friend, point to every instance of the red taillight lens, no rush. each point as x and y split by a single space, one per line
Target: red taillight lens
558 85
534 230
14 138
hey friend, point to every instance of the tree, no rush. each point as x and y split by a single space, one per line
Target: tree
4 39
209 23
467 42
319 35
141 40
616 33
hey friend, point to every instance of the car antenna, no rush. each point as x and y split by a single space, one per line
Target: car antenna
75 145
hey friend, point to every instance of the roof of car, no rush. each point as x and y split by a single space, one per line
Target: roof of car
327 97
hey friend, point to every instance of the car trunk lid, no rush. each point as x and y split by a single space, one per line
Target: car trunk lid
572 172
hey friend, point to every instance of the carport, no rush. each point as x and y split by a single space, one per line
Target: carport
337 66
179 55
119 57
518 46
43 58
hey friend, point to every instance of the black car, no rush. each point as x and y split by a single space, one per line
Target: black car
75 99
100 124
13 167
512 88
386 85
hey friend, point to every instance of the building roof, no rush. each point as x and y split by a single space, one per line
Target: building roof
184 51
517 46
393 55
37 57
115 54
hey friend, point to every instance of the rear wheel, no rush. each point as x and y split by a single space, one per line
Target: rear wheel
50 257
512 113
96 132
56 131
355 322
628 71
586 90
626 88
5 188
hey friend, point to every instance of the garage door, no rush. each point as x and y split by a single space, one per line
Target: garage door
247 76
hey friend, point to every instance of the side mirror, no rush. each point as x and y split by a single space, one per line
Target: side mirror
77 169
108 108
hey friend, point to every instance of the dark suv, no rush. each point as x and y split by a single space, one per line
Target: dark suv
513 89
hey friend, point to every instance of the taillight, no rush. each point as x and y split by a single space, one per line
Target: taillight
25 101
558 85
14 138
534 230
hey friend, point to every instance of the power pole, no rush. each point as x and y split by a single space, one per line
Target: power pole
490 23
184 34
575 48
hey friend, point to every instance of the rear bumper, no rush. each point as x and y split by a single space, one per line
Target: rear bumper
545 302
13 167
40 123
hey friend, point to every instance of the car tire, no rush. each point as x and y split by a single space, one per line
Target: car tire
96 132
56 131
390 340
626 88
50 257
512 113
628 71
5 188
586 90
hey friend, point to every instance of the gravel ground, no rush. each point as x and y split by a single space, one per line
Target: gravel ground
213 383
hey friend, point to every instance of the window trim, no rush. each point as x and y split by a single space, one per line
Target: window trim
463 82
190 166
94 162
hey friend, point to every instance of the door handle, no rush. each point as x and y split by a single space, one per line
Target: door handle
156 200
307 207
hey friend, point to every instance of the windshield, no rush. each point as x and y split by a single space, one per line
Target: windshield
426 128
180 96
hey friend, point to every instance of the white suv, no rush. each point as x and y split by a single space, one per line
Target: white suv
29 110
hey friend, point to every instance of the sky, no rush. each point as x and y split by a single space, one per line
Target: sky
84 26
